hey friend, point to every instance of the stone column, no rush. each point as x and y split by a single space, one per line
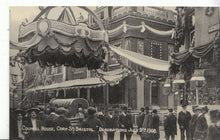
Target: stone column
140 93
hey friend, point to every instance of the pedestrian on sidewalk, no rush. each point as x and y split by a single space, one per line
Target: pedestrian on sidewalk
184 118
110 123
125 122
170 125
201 128
146 124
155 125
193 122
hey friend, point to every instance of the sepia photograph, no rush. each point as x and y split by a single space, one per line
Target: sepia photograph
114 73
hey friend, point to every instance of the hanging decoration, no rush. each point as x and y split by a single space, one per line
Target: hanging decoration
185 61
143 27
62 41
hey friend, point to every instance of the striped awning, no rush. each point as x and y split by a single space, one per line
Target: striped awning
113 78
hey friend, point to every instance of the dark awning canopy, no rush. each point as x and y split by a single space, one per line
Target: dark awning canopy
62 41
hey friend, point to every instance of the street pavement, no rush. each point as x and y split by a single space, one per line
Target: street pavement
137 137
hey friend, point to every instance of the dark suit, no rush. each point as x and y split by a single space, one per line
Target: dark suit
111 123
125 122
94 123
201 128
170 126
14 130
62 121
155 125
193 125
184 122
214 132
140 119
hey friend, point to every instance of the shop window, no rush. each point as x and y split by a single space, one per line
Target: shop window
155 93
71 93
97 95
83 93
115 94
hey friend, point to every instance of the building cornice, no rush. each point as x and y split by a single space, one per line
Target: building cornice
112 21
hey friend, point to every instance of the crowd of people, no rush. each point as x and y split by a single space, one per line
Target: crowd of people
55 123
193 126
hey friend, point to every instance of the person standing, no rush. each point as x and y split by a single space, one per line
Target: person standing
201 127
184 118
170 125
111 123
34 124
61 120
193 122
16 125
140 118
125 122
147 123
214 133
91 122
155 125
80 116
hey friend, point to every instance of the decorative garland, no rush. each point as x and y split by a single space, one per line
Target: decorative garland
143 27
129 71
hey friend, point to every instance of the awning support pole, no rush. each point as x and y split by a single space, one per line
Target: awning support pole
197 93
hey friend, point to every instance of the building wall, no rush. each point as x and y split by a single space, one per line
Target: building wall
203 24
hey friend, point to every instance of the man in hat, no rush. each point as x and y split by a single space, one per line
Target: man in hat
155 125
125 122
92 122
170 125
214 133
193 122
201 127
61 121
140 118
16 125
49 122
184 121
147 123
61 124
111 123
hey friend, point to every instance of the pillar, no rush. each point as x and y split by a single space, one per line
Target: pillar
78 92
171 101
64 93
150 92
106 95
64 73
140 93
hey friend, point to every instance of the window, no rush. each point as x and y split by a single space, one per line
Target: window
59 69
97 95
49 70
140 46
154 93
156 50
